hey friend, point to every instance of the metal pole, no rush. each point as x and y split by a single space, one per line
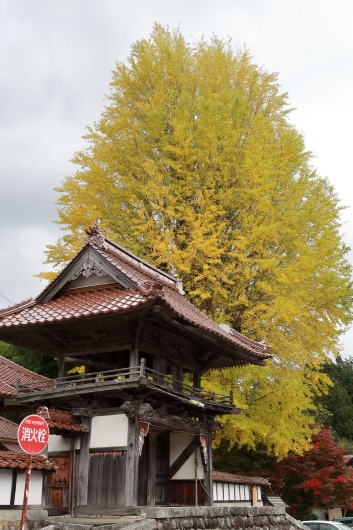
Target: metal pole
25 497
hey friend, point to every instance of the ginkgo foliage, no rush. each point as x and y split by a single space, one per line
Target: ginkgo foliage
195 164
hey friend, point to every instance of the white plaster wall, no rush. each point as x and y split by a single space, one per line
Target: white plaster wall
109 431
179 442
234 493
334 512
5 485
35 488
58 443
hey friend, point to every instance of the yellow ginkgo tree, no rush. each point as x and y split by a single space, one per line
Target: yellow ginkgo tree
194 163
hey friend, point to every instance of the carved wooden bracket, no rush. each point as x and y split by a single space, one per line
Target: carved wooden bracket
88 268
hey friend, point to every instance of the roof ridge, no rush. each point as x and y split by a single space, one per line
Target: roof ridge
222 333
137 258
19 305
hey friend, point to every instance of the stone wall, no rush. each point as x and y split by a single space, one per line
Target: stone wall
223 517
11 519
177 518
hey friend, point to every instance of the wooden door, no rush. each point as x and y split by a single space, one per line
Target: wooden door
162 469
107 479
58 488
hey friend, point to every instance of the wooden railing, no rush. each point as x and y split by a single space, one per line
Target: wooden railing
120 377
186 389
66 383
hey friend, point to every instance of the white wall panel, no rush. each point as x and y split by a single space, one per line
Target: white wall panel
109 431
5 485
219 491
231 492
58 443
35 488
179 442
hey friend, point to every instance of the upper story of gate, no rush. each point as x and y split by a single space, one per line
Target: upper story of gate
108 310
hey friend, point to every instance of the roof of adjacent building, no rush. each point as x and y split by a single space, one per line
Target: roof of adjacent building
61 420
10 372
275 501
221 476
8 436
137 285
10 460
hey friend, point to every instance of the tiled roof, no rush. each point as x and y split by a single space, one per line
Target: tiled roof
8 431
275 500
20 460
152 286
220 476
12 447
61 420
77 304
10 372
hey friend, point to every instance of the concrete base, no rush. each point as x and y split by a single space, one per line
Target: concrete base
33 514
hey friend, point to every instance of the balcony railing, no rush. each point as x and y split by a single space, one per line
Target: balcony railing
121 378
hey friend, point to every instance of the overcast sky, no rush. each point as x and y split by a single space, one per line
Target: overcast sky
55 67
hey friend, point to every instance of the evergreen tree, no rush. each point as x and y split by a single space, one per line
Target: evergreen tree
338 402
40 364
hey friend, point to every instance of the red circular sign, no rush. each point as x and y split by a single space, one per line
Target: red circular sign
33 434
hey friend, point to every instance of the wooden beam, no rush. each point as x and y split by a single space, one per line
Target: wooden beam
151 478
13 487
62 367
132 461
85 362
83 468
3 439
182 458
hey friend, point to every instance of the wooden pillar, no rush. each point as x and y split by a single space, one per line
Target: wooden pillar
62 369
83 468
208 475
196 379
45 479
132 462
134 356
13 487
151 478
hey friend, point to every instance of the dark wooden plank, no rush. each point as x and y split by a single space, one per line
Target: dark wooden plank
151 483
182 493
132 461
143 473
83 468
162 469
13 487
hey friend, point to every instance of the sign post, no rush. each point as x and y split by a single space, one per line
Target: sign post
33 437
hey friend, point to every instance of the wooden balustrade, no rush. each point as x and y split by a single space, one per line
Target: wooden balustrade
98 380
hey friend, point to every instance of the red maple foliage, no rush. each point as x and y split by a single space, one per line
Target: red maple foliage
317 479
